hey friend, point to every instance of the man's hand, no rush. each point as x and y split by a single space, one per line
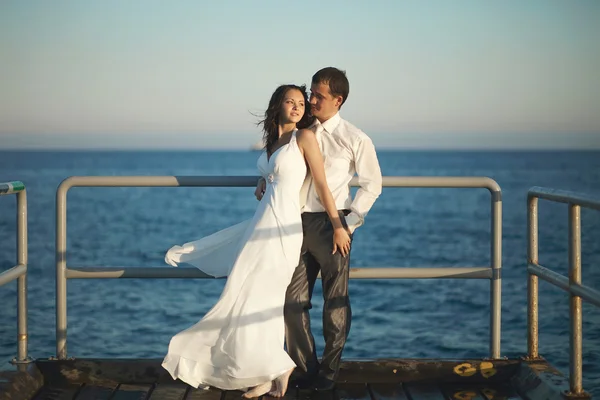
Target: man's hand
261 186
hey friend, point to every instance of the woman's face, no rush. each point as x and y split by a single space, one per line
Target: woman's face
292 107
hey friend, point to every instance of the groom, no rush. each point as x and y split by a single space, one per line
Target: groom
346 151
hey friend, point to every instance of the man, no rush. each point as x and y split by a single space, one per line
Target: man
346 151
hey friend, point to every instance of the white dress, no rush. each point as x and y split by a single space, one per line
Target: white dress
240 342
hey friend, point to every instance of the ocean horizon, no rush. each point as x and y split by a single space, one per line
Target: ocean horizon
235 140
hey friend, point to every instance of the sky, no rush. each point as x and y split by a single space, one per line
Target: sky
195 74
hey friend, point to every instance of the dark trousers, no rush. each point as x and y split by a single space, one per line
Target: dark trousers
316 256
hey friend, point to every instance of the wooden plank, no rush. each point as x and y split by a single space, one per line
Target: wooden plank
424 392
168 391
352 391
505 392
387 391
291 394
132 392
310 394
104 372
540 380
428 370
21 383
56 393
92 392
463 392
231 395
210 394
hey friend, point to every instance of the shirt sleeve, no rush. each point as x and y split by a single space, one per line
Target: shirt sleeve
369 180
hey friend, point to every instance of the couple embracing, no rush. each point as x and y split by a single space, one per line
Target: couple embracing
259 331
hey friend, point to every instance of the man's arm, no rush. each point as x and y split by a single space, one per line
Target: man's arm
369 179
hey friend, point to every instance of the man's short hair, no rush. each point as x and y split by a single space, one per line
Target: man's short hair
336 79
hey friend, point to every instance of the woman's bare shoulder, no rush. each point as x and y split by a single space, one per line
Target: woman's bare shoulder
305 134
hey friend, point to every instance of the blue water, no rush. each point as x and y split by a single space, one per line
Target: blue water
406 227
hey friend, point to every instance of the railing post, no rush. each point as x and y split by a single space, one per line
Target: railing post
496 281
532 280
575 340
19 271
572 284
61 267
22 280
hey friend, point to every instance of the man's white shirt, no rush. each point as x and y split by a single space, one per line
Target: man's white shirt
346 151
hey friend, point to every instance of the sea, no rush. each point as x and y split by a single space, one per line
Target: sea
407 227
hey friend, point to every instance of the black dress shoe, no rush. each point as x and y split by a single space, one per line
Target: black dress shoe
323 384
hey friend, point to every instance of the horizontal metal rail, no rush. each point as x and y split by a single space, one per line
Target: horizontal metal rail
586 293
63 273
355 273
564 196
13 273
571 284
249 181
19 271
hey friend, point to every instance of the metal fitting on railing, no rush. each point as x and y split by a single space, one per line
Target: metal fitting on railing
19 271
572 284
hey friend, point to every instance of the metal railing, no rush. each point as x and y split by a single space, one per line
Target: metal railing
19 271
572 284
491 272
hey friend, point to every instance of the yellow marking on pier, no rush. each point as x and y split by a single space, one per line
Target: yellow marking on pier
487 369
465 369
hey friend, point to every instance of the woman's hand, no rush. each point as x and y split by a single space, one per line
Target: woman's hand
261 186
341 241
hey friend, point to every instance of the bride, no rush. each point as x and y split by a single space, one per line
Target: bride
239 343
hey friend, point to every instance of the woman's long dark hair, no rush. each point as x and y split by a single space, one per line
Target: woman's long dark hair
270 122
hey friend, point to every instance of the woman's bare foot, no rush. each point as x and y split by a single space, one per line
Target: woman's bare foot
259 390
281 384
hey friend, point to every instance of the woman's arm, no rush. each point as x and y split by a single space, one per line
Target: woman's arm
261 186
307 142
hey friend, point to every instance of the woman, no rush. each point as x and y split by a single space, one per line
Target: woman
240 342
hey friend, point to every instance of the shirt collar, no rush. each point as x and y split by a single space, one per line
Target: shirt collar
329 125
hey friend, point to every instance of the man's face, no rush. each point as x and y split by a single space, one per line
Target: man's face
322 104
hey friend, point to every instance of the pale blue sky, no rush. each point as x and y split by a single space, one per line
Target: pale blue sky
189 73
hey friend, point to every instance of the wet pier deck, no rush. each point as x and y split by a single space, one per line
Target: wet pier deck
83 379
353 391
